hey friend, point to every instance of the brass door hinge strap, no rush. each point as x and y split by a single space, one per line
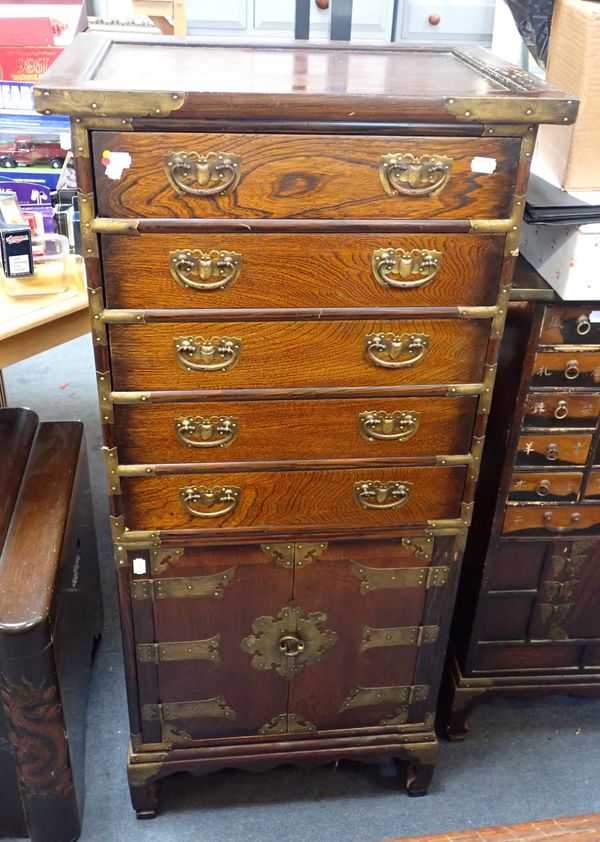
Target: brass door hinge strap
186 650
400 636
185 587
380 578
202 709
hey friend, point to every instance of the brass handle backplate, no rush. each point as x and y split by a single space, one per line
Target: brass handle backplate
574 523
196 431
388 426
414 175
562 410
195 353
192 495
412 269
193 174
388 350
193 269
381 495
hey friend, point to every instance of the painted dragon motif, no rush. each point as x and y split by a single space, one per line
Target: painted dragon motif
37 737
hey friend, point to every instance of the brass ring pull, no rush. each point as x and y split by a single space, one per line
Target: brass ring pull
291 645
195 353
214 173
562 410
388 426
193 269
543 488
413 175
552 452
196 431
413 269
572 370
415 345
583 325
193 495
574 523
381 495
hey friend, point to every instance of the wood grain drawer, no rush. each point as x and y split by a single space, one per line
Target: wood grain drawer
295 499
575 368
557 449
561 409
536 487
551 520
297 354
294 430
300 270
569 326
295 176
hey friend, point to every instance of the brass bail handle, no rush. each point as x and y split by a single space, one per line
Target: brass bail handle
291 645
201 175
402 269
574 523
406 174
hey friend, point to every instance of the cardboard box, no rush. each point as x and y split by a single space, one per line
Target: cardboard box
566 256
574 65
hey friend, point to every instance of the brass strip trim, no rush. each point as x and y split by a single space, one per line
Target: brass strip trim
136 470
454 459
104 396
185 587
96 302
386 578
186 650
89 103
111 464
201 709
118 317
397 695
103 225
478 312
373 638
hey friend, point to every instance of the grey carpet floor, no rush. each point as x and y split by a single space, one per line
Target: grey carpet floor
522 761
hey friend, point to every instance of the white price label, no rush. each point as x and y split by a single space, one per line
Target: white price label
595 317
484 165
139 566
19 265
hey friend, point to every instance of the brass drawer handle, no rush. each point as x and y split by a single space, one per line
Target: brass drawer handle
196 431
552 452
543 488
388 426
574 523
214 173
413 269
415 345
195 353
193 269
583 325
414 175
193 495
381 495
572 370
562 410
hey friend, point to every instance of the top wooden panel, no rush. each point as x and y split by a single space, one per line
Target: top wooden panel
104 75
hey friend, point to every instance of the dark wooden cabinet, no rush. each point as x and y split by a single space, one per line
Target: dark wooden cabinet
527 618
299 261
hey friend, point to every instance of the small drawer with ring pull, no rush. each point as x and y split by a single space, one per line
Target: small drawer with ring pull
561 409
577 368
551 449
570 326
558 487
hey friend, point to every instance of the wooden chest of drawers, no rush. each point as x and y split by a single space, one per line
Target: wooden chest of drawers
527 615
299 261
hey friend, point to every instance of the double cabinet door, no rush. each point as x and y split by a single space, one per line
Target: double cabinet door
263 639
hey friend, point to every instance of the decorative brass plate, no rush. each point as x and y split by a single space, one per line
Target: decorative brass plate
554 616
561 590
384 578
197 431
180 588
399 636
195 269
195 353
289 642
421 547
288 723
215 708
193 174
186 650
381 495
398 695
294 555
193 495
161 558
412 269
390 350
414 175
388 426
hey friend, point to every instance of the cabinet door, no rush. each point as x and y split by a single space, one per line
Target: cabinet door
381 600
192 609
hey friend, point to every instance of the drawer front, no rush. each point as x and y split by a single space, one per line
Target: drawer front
448 20
537 487
561 409
528 657
592 489
294 176
248 355
297 499
289 430
570 326
576 369
551 520
300 270
558 449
